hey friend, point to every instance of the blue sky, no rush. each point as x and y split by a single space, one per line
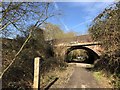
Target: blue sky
77 16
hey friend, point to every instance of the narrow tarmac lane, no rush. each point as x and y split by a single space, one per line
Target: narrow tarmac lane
82 78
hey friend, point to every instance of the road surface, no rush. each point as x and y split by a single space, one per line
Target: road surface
82 78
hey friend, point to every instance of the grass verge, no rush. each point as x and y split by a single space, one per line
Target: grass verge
103 80
63 75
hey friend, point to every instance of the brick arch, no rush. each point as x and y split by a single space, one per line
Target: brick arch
91 53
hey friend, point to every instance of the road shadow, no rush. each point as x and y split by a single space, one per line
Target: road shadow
51 83
76 62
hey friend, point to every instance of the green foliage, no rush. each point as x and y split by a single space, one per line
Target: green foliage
15 20
106 29
78 53
110 64
21 71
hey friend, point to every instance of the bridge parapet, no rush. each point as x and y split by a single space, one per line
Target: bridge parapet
78 44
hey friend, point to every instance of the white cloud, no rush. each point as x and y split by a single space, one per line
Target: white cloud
61 21
90 9
81 24
96 8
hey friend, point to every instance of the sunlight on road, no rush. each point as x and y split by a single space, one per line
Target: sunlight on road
83 86
82 65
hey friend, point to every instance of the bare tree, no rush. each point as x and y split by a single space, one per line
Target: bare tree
17 16
55 32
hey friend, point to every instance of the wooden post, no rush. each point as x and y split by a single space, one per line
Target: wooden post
36 73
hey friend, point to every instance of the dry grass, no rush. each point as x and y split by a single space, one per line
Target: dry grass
63 75
102 79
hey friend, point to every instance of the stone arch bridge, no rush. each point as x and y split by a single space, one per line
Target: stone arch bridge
93 48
